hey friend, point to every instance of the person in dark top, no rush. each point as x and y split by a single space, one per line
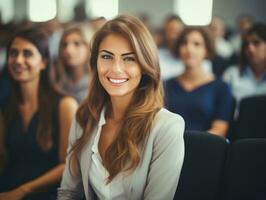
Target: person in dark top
4 87
34 124
204 102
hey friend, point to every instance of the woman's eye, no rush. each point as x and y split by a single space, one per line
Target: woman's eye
64 44
27 53
196 44
131 59
13 53
77 43
106 56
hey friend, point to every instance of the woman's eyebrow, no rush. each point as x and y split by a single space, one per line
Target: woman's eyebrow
124 54
129 53
109 52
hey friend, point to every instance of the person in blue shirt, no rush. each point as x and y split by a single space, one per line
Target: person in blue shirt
204 101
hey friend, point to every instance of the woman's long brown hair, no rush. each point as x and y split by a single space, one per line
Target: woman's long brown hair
46 93
124 153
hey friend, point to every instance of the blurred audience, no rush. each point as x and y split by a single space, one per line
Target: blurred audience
97 22
243 23
223 47
54 29
170 65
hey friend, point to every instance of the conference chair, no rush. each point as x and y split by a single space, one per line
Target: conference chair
246 171
203 168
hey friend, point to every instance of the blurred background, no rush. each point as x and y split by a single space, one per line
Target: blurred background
156 10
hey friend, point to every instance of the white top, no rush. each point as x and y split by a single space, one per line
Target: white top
98 174
223 48
244 85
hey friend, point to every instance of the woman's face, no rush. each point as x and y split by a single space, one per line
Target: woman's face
74 51
24 61
193 50
119 71
255 49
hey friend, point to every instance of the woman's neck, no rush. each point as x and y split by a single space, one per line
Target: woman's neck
76 74
194 73
194 77
118 107
29 94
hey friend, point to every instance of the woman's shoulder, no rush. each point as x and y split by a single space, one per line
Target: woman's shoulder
67 109
164 114
166 120
67 103
167 127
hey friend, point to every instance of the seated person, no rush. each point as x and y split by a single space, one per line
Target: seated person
249 78
204 101
34 124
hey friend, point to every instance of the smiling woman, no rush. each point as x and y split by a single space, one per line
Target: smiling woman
118 69
123 143
34 122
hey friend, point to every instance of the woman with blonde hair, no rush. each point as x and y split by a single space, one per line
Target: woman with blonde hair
72 69
123 143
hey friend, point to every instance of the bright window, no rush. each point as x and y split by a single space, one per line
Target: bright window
194 12
42 10
102 8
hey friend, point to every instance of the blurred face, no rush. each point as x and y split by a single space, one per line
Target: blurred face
244 24
24 61
217 27
255 49
193 51
118 69
75 52
173 29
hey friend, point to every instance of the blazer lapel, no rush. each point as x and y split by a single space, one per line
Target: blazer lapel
85 163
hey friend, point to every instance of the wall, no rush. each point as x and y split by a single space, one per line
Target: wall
227 9
230 9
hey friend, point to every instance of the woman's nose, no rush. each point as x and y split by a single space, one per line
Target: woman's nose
19 58
117 66
69 48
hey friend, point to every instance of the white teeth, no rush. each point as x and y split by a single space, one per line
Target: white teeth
117 81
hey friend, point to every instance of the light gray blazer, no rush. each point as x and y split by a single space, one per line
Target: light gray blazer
157 174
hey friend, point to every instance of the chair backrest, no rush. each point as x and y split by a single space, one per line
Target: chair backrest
203 168
251 121
246 170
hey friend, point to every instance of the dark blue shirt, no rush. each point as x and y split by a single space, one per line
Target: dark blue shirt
26 159
4 88
201 106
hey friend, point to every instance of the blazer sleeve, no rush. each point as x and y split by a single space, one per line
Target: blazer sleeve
167 160
71 187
